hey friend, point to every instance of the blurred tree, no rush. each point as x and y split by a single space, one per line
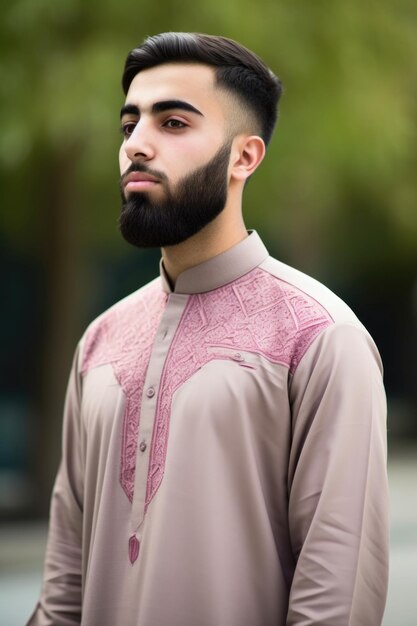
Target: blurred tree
336 197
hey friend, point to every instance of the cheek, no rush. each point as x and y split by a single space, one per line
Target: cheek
185 159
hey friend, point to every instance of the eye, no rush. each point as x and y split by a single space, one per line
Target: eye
174 124
127 129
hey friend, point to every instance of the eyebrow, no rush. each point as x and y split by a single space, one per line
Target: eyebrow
159 107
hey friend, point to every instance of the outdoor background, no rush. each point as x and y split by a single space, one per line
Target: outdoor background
335 197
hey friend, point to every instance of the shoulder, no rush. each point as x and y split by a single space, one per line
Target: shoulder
115 328
322 319
313 290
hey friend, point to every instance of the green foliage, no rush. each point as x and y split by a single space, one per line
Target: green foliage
338 187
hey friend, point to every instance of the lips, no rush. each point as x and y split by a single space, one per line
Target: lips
139 181
138 177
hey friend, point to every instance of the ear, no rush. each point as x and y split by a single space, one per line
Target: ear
247 153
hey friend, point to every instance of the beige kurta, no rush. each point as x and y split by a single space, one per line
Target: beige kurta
224 458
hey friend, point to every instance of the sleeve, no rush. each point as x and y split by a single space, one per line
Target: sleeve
60 600
338 488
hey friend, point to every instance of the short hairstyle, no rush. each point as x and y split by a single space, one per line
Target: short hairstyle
237 70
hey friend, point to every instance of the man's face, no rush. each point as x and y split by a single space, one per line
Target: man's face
174 157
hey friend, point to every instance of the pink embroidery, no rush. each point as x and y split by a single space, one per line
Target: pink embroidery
133 548
123 337
257 313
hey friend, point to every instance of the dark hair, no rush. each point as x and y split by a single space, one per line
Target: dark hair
237 69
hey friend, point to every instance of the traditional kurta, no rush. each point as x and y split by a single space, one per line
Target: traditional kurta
224 458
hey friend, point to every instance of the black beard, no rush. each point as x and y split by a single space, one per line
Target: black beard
198 198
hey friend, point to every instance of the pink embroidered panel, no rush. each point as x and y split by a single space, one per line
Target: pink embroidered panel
123 337
257 313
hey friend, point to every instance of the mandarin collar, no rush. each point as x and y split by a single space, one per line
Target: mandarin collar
221 269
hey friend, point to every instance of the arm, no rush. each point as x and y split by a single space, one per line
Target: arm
338 493
60 600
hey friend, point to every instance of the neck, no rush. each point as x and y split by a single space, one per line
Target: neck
217 237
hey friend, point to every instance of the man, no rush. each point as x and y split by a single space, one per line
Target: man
224 447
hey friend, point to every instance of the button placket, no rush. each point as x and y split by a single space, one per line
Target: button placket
148 406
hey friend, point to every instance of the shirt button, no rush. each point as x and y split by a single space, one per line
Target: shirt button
150 392
238 357
142 446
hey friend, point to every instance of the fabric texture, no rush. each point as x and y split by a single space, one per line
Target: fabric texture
224 458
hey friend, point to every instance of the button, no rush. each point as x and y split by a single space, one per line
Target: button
134 547
150 392
237 357
142 446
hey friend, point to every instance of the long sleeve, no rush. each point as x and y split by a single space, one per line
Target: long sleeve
60 600
338 493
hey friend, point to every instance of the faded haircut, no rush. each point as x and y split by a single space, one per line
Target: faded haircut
238 71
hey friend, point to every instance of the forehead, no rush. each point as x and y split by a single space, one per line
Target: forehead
192 82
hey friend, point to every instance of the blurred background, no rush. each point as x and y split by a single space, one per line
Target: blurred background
335 197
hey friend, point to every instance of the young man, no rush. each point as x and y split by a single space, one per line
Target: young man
224 453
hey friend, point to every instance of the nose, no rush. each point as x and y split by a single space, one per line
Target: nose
139 146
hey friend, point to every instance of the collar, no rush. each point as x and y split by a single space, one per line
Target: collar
221 269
